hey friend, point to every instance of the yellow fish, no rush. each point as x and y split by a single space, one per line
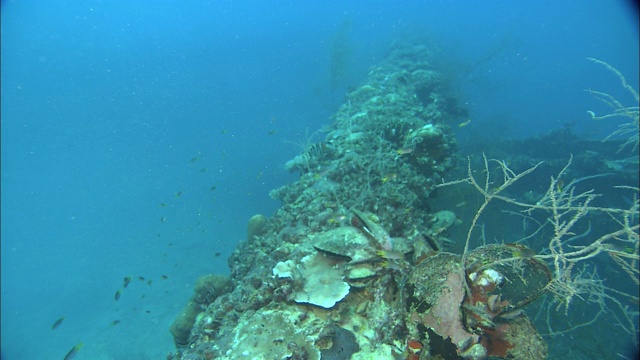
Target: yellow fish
464 123
405 150
74 350
389 177
336 219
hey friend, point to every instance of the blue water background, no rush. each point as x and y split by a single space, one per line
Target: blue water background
138 137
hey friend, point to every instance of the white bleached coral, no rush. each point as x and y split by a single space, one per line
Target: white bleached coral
321 277
324 285
285 269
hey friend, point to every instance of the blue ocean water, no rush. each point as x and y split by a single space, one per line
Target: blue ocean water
139 137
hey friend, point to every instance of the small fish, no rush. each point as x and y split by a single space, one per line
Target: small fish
511 315
127 281
524 253
148 311
163 219
322 174
163 204
337 219
164 277
74 350
464 123
272 132
203 170
212 188
179 193
389 177
392 265
521 251
117 295
141 278
405 150
115 322
194 159
216 254
390 254
149 282
223 131
57 323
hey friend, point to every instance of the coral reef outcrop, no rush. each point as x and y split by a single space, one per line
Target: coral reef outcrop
349 266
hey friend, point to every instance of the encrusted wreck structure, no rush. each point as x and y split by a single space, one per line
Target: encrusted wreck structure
354 264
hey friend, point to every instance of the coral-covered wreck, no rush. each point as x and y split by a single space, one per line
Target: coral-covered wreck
352 265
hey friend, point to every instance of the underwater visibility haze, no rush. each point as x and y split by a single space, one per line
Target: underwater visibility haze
319 180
